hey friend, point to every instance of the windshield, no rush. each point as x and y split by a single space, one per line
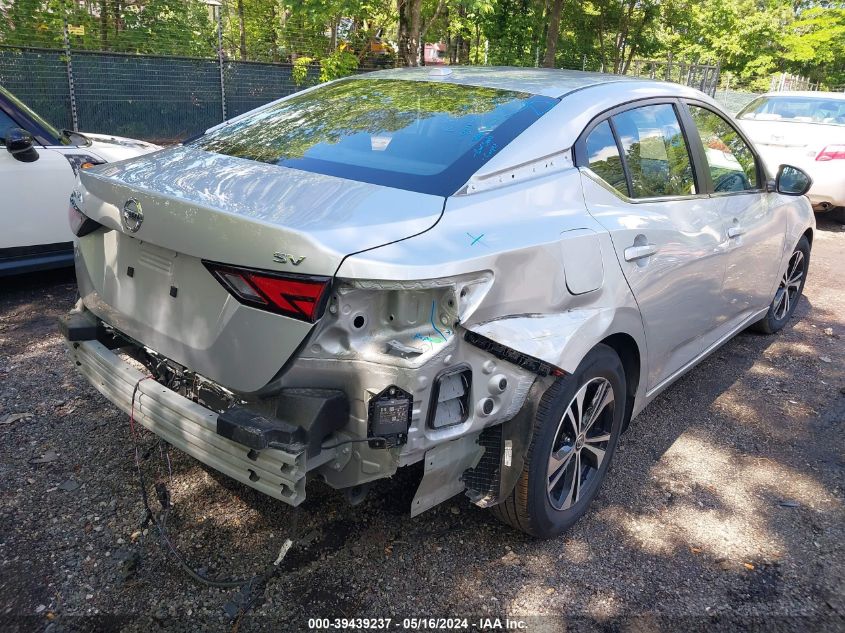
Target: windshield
796 110
417 135
56 135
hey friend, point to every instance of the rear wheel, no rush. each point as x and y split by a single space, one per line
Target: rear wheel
575 433
789 290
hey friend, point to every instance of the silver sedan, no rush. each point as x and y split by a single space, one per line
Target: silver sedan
487 272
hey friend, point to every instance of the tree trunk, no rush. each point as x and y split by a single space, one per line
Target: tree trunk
402 32
409 31
242 28
118 20
104 25
274 35
415 46
553 34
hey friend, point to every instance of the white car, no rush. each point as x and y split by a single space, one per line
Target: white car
807 130
37 173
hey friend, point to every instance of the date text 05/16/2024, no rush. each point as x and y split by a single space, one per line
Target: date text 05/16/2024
418 624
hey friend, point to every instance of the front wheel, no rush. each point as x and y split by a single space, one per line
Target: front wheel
789 290
575 433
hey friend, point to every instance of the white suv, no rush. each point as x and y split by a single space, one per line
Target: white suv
37 172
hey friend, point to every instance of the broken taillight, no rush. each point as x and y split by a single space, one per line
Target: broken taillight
300 297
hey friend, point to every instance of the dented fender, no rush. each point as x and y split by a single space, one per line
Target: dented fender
564 339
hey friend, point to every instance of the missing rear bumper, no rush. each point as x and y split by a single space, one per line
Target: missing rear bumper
189 426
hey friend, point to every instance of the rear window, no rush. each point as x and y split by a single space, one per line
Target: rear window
417 135
796 109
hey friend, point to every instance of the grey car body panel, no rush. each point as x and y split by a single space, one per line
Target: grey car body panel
540 81
203 327
529 306
529 253
240 211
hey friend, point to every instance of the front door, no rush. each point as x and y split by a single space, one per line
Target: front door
639 183
33 214
755 231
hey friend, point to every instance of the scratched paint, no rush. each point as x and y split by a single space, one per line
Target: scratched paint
475 240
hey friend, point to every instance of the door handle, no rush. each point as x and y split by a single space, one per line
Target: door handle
735 231
633 253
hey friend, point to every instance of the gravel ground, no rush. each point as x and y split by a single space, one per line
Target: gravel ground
724 506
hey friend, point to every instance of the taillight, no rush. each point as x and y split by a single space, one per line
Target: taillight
300 297
832 152
80 223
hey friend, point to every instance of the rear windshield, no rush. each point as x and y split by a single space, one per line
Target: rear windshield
796 109
417 135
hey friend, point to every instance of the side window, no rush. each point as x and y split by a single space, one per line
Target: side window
655 151
729 159
603 157
5 123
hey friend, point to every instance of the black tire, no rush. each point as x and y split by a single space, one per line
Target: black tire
778 314
530 506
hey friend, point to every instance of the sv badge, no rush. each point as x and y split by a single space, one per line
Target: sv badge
287 258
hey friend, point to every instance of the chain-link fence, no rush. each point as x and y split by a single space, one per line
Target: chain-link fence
168 98
734 100
143 96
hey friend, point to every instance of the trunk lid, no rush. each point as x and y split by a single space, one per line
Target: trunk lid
202 206
792 143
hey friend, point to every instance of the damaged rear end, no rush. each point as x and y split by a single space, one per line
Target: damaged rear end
214 305
213 298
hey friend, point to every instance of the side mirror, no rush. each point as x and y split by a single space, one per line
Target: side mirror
19 145
792 181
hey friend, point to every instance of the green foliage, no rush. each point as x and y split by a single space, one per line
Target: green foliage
299 72
751 39
338 64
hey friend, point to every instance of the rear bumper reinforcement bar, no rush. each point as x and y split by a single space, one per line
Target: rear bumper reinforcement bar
189 426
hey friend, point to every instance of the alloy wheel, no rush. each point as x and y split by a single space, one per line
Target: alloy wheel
580 444
790 286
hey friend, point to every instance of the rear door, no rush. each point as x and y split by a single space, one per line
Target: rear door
755 232
640 182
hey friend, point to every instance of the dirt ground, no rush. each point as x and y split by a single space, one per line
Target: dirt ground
723 508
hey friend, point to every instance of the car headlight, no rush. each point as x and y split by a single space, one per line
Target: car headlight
80 224
82 161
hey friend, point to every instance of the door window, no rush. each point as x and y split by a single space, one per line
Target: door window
5 123
729 159
655 151
603 157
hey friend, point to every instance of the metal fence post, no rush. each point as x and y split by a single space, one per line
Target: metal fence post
69 65
717 78
220 59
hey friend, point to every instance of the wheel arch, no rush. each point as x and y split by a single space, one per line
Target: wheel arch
628 351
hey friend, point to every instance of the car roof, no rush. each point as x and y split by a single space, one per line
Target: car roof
549 82
806 93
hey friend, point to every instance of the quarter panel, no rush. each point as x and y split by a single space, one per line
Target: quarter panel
520 234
